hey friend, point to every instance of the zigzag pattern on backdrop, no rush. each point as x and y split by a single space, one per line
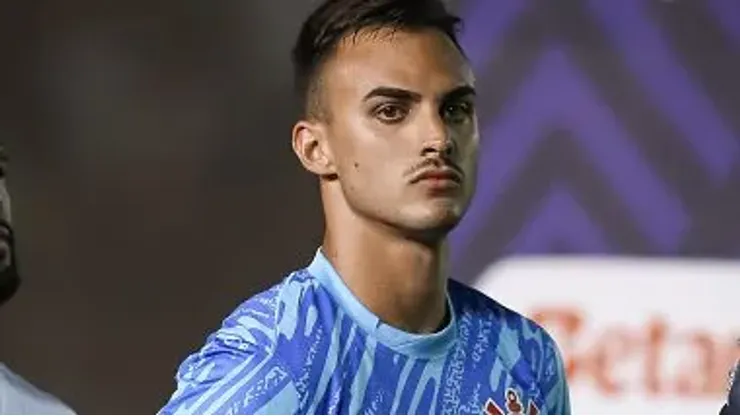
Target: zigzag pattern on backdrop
607 127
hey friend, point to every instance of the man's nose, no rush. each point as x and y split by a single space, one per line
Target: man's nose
443 147
438 138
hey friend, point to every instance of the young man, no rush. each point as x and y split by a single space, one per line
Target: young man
17 396
373 324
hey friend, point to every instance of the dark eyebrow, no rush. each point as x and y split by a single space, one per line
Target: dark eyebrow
458 93
392 92
406 95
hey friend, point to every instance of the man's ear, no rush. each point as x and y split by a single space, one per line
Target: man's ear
312 148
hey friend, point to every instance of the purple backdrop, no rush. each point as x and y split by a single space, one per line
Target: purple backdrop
608 127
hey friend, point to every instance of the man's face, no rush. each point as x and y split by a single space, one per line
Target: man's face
402 128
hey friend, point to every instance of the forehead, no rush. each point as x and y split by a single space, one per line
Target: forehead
425 61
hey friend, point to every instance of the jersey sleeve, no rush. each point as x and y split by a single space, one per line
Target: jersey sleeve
233 374
555 382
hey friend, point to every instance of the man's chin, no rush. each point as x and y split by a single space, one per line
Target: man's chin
434 228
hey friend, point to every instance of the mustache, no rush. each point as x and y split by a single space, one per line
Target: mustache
433 163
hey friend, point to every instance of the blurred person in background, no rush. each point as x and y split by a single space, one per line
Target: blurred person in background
732 407
17 396
374 324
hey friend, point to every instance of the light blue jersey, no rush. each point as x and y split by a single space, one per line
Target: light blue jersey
308 345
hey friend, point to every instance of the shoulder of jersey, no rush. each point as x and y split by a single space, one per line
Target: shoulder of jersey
473 301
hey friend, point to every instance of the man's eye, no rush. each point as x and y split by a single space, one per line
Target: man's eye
457 112
391 113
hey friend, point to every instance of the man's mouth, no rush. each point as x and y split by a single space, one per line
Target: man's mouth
442 175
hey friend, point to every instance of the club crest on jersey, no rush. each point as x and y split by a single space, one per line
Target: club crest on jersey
513 406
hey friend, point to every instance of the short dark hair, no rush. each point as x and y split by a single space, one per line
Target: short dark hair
333 20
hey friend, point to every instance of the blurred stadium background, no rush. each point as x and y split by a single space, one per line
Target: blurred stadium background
154 187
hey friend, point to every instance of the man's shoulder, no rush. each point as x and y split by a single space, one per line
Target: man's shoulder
519 340
258 319
513 325
18 396
241 355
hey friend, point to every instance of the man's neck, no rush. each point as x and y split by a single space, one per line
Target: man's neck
401 281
